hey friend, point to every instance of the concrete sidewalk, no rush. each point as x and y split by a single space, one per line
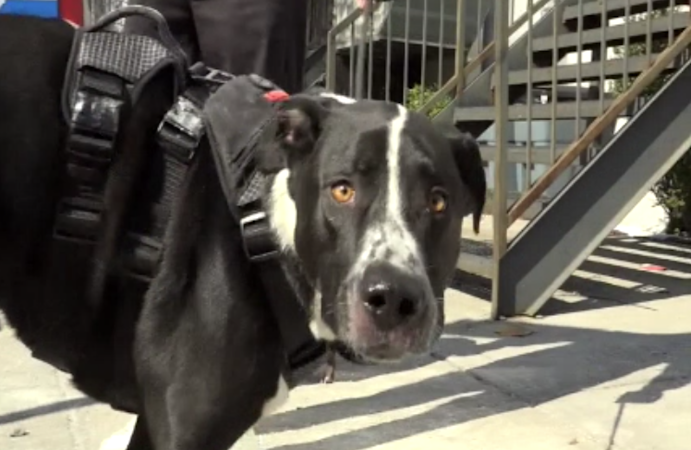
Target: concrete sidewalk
608 369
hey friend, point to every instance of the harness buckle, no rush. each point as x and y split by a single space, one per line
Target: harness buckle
182 130
256 237
96 109
199 71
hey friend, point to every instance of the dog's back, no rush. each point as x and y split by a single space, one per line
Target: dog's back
41 287
33 54
44 281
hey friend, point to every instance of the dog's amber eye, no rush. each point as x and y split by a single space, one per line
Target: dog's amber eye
437 201
343 192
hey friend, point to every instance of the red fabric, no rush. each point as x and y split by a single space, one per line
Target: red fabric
276 96
72 11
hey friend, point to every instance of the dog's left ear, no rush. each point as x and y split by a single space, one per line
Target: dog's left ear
298 125
466 153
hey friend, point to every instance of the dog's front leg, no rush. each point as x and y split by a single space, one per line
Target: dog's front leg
208 354
193 414
137 434
211 400
140 439
208 380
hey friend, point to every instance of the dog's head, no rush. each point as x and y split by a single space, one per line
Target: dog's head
369 197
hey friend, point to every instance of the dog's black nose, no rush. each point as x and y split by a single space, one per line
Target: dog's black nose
392 296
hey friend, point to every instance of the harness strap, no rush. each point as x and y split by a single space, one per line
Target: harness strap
179 137
90 145
235 150
261 249
257 236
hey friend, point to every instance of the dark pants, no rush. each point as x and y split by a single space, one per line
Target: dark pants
266 37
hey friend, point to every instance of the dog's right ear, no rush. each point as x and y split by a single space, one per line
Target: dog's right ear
298 125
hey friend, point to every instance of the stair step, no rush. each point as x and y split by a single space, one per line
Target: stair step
615 8
476 250
481 266
589 71
564 110
518 154
476 258
614 35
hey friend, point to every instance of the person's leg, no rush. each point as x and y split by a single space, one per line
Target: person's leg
266 37
291 43
179 17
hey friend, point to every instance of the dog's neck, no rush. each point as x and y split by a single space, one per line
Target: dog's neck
281 210
282 213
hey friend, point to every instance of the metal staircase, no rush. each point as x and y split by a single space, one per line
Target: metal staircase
570 133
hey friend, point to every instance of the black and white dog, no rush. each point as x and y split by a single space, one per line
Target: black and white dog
366 200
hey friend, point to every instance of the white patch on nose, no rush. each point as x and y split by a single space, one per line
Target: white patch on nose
283 213
319 328
279 399
389 239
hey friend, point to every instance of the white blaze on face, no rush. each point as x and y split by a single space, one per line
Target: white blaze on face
389 239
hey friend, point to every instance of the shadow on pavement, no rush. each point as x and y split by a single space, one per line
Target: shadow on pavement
560 361
46 409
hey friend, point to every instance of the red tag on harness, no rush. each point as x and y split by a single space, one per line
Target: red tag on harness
276 96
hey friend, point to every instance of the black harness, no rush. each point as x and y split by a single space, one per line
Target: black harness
107 72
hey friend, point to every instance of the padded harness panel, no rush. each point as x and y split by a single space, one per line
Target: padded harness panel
241 101
231 116
106 73
128 56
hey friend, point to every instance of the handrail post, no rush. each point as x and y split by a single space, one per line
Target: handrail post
501 103
331 46
460 47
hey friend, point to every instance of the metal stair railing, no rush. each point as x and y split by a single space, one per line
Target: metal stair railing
502 218
592 132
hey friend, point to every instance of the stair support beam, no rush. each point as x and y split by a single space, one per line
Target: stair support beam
570 228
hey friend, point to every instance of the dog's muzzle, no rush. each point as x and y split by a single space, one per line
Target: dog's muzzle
392 312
